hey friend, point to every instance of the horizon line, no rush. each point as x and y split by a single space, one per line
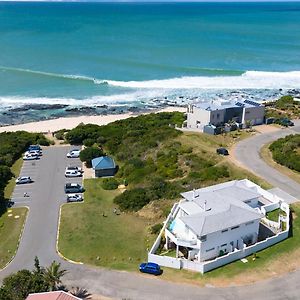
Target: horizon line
158 1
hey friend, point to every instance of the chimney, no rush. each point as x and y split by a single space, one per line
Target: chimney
194 194
204 205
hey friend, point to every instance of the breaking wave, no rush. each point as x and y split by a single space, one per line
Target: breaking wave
219 80
248 80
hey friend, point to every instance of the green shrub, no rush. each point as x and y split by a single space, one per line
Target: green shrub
110 184
88 142
60 134
5 176
155 229
286 152
43 142
212 173
89 153
132 200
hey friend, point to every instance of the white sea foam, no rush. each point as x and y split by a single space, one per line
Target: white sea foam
248 80
262 85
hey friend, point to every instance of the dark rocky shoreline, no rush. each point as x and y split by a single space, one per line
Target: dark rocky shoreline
38 112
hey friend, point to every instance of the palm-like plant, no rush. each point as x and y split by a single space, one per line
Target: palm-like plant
80 293
53 274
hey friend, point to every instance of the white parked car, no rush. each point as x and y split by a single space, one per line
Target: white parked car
73 153
23 179
74 198
30 157
34 152
70 168
73 173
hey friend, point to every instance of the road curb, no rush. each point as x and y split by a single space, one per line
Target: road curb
19 239
57 238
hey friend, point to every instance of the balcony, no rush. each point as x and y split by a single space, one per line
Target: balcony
181 242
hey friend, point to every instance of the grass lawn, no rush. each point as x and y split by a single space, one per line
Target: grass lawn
16 168
266 155
10 231
114 241
10 227
274 215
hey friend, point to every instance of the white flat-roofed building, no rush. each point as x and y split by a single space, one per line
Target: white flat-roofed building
219 112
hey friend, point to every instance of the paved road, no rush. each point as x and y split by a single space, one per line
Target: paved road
247 153
41 227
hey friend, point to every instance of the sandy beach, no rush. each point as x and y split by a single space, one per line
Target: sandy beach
71 122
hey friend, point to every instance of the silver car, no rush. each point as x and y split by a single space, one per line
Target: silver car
72 173
23 179
30 157
74 198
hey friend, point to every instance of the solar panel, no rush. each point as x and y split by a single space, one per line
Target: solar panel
252 103
240 104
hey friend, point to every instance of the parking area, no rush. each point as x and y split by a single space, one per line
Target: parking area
45 196
29 168
26 194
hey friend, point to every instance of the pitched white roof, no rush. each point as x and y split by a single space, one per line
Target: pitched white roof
209 222
219 207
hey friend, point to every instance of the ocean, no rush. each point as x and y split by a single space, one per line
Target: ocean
71 58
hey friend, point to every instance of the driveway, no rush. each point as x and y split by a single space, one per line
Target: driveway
39 239
247 152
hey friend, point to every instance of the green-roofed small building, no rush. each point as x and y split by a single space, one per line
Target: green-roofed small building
104 166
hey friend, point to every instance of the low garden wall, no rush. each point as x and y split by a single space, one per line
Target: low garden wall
165 261
238 254
269 207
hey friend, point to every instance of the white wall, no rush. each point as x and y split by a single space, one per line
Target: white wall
217 239
254 114
198 115
165 261
220 261
182 231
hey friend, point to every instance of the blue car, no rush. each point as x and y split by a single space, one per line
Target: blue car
150 268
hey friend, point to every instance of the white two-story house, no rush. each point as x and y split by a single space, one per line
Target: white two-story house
214 221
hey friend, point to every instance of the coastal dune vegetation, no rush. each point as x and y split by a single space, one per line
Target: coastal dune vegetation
284 107
286 151
154 163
